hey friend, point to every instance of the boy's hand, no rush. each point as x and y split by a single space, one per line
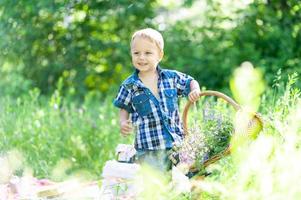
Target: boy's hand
194 95
126 127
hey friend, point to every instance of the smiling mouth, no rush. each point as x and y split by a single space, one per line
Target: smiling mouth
142 64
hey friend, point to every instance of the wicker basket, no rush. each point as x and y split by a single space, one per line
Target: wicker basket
255 121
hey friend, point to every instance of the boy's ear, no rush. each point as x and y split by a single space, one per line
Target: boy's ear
161 55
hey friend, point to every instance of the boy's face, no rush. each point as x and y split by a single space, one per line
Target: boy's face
145 54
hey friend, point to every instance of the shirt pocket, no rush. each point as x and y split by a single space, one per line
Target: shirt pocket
171 99
142 105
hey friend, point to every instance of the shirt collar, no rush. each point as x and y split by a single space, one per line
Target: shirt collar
138 82
159 70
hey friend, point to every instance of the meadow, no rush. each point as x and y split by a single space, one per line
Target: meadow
61 63
51 134
56 138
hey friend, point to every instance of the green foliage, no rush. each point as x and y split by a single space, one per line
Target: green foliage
266 167
211 45
49 132
247 86
210 128
217 135
84 42
76 48
57 138
12 80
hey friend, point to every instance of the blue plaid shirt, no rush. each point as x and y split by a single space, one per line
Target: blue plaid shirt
156 121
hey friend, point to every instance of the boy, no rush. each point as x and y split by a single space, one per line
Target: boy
150 95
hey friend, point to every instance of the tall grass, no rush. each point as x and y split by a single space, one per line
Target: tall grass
56 137
268 167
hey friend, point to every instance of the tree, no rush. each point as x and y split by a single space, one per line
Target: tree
83 41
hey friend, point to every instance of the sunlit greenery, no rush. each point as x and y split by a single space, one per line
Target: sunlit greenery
86 43
264 168
47 132
61 63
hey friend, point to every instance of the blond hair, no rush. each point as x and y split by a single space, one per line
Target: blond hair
152 34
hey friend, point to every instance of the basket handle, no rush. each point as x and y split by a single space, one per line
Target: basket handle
206 93
185 123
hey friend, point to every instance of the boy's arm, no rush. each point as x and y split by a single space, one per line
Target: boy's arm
125 122
194 95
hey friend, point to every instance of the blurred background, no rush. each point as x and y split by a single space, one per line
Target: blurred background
86 43
61 63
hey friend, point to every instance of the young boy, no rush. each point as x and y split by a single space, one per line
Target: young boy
148 100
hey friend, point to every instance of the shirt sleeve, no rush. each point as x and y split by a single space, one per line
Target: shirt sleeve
123 99
183 83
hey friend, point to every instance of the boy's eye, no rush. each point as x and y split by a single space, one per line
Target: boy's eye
136 53
148 52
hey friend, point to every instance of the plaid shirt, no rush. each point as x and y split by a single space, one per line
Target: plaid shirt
154 119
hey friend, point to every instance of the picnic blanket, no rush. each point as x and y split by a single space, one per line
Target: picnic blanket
29 187
117 182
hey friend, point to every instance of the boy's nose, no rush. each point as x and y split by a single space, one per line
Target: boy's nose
142 56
